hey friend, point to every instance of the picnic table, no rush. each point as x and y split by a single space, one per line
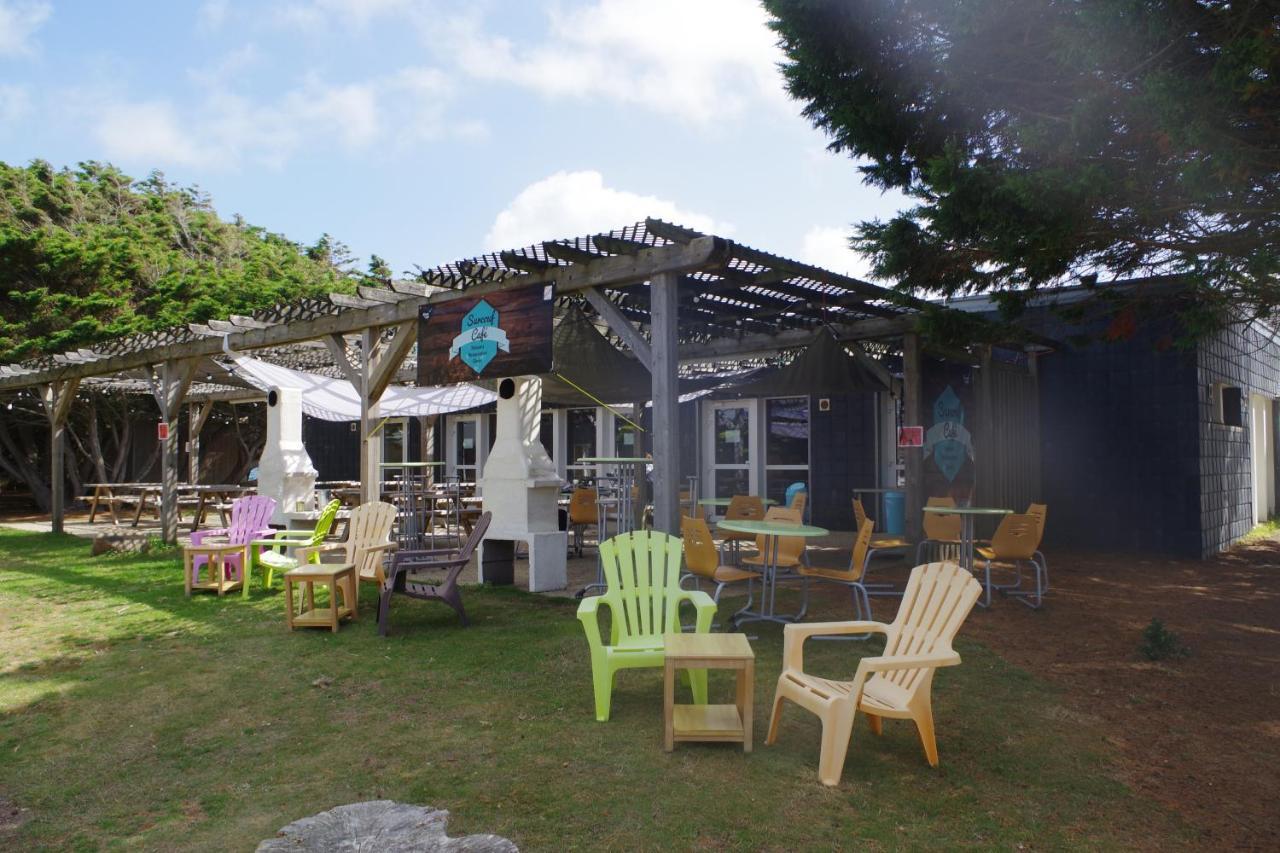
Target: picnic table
202 495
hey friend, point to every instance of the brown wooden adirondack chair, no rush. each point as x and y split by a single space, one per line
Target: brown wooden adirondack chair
449 560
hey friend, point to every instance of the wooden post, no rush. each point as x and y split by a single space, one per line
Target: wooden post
169 390
370 475
664 325
57 397
197 414
912 415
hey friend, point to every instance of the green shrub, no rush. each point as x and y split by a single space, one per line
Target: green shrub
1159 643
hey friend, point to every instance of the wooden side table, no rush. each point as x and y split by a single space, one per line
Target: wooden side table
339 577
731 723
216 566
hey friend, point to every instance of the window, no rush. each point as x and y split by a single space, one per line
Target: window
582 434
786 445
547 433
1228 401
626 439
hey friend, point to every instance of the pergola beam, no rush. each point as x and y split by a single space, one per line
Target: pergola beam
621 326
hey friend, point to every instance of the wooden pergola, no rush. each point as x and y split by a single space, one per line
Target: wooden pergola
669 294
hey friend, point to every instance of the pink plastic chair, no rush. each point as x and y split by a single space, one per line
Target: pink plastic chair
249 517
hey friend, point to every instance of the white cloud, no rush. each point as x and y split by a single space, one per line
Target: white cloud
150 132
212 14
312 15
222 129
15 102
828 247
570 204
18 24
700 61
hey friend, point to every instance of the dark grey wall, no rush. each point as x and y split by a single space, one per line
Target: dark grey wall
841 457
1120 445
1248 357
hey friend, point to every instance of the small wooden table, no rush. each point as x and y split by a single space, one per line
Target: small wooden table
217 554
731 723
339 577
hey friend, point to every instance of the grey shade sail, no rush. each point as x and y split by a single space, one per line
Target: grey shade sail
825 368
587 359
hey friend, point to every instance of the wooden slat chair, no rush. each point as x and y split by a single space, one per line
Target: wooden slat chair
582 514
366 545
941 533
791 549
895 684
451 561
851 577
643 594
742 508
269 553
703 560
1014 545
250 519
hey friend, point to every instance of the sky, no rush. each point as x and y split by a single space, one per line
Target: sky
427 131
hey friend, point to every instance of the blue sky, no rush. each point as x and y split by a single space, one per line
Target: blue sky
431 131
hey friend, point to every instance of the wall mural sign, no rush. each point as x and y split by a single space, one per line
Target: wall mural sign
949 424
948 440
505 333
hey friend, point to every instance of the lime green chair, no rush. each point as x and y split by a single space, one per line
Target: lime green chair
269 554
642 575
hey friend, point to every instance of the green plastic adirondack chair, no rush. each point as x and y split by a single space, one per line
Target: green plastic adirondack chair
270 554
642 571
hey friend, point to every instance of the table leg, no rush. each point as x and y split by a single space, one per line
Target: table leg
746 701
288 601
137 514
669 705
111 506
222 500
188 560
93 503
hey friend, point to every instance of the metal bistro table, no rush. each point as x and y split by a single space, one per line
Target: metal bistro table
411 516
614 499
967 515
772 531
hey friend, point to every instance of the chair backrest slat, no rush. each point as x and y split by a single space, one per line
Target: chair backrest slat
250 515
943 528
744 508
642 571
935 604
1017 537
700 554
789 547
325 522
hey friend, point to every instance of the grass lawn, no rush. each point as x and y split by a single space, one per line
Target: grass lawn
133 717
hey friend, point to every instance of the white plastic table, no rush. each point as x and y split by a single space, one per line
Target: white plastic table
772 531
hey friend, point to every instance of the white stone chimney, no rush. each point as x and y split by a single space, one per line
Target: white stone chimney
521 488
285 471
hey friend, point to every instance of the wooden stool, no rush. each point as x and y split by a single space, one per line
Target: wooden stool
217 566
730 723
340 577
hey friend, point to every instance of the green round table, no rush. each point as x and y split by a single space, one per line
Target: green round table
772 531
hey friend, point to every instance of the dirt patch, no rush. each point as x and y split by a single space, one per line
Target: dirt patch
1200 734
12 815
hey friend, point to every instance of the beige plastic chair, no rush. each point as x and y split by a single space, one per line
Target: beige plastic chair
1015 544
896 684
941 533
367 544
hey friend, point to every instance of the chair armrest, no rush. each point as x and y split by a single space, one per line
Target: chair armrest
888 663
793 637
199 536
703 605
381 546
304 554
589 616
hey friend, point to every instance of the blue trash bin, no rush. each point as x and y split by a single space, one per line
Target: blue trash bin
895 512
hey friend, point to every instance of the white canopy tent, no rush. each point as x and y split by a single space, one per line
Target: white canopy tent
332 399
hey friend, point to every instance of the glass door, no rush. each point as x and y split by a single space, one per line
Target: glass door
464 449
729 430
786 453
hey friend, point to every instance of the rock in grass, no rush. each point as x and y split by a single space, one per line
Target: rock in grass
382 825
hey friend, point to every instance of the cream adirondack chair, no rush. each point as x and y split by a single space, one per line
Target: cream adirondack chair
368 542
895 684
642 575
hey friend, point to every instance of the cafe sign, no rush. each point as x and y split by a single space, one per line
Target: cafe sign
505 333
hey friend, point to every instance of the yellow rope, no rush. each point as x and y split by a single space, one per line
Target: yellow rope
616 413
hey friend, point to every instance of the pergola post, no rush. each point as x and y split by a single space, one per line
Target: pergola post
57 397
197 415
912 415
379 359
169 388
664 323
